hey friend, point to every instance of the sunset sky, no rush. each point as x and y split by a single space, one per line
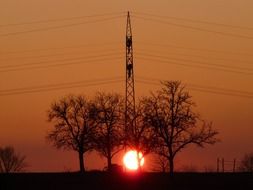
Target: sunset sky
79 46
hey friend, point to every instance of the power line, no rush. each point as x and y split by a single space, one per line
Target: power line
200 86
30 66
194 21
61 19
58 27
198 62
194 66
201 90
207 89
220 93
104 81
55 54
57 48
59 86
195 28
207 65
138 42
60 64
59 60
239 92
142 50
196 49
199 56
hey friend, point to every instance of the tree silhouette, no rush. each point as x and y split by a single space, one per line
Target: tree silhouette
170 113
74 126
246 164
109 132
11 161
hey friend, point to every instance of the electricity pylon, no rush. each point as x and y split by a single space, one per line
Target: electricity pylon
130 93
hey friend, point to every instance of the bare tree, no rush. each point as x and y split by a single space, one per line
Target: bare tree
109 132
141 137
170 112
11 161
74 126
246 164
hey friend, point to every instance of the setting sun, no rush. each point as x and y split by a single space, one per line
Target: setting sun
131 161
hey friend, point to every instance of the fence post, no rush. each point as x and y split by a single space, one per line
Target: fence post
223 165
234 165
218 165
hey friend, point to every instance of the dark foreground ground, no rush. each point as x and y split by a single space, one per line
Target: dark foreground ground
145 181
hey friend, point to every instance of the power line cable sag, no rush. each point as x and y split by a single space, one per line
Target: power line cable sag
58 27
195 28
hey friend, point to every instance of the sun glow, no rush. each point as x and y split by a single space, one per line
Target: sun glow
130 160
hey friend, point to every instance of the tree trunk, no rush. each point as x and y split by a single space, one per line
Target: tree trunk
81 162
109 156
109 163
138 161
171 164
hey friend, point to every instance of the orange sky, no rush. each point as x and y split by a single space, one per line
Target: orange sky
23 117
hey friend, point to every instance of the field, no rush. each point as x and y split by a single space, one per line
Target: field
145 181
